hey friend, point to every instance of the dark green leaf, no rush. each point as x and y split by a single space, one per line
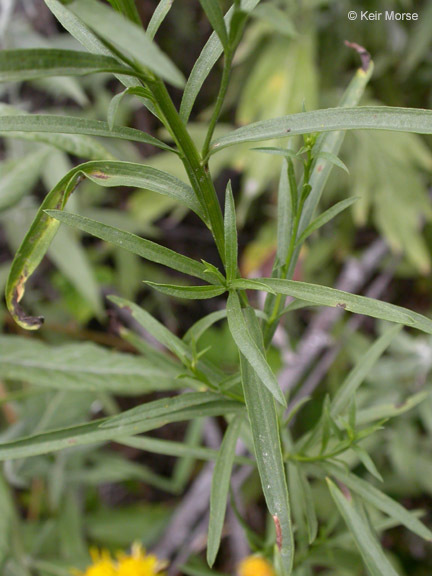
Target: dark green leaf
230 235
188 292
214 14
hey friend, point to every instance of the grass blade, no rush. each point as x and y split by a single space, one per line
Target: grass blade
220 488
132 243
360 118
128 37
230 228
357 523
324 296
188 292
249 348
265 432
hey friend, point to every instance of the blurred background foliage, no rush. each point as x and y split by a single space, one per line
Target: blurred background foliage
292 58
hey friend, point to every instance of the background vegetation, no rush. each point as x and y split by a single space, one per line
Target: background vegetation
156 488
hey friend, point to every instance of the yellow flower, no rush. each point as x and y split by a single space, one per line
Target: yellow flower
102 564
255 566
139 563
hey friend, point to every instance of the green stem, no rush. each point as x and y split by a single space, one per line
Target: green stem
198 174
218 105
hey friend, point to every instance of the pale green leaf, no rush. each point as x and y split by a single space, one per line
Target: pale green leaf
230 227
158 16
325 217
188 292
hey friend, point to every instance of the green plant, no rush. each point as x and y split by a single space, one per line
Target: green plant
248 397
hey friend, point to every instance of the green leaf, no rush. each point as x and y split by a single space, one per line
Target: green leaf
178 449
360 371
154 327
325 296
333 159
44 228
70 125
98 369
129 38
265 433
359 118
230 228
16 182
128 8
149 417
158 17
6 521
205 62
366 541
325 217
132 243
188 292
379 500
197 330
214 14
220 488
249 348
18 65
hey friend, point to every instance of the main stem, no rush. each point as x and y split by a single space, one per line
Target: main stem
197 172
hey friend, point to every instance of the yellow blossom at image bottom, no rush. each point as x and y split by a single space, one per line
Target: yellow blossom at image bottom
255 566
138 563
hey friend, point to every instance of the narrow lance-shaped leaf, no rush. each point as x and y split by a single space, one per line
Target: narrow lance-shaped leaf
44 228
378 499
249 348
265 432
188 292
18 65
213 12
325 217
128 8
71 125
210 54
325 296
363 117
358 524
158 16
220 488
151 416
230 227
128 37
132 243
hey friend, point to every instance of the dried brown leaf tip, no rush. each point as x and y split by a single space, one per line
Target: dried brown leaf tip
365 57
278 531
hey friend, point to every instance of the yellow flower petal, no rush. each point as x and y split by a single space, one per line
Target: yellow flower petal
255 566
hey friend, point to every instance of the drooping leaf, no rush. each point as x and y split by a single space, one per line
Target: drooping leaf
331 119
220 488
44 228
249 348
